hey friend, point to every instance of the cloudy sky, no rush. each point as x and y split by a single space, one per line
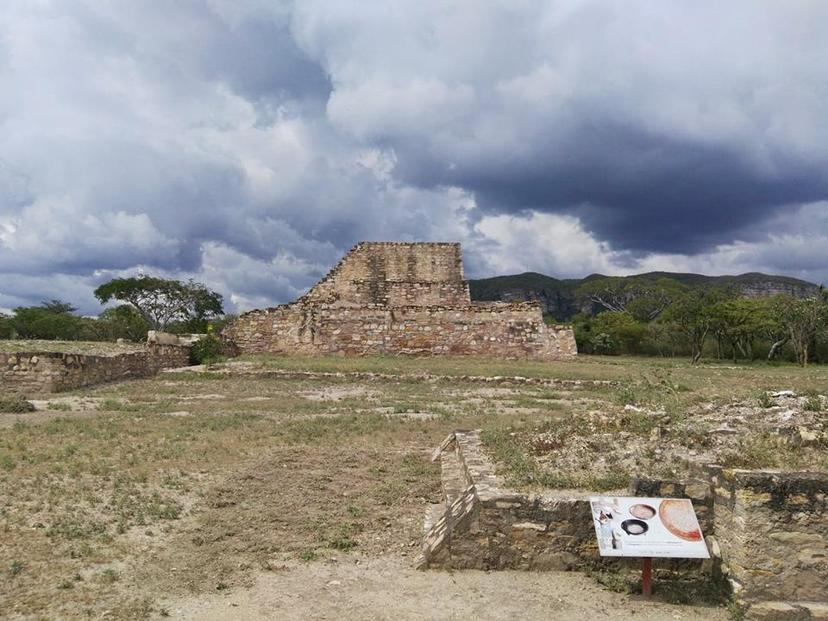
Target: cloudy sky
249 143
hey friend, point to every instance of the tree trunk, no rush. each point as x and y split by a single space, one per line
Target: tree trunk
774 350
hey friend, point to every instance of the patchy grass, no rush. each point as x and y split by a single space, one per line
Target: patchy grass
218 475
15 404
97 348
520 468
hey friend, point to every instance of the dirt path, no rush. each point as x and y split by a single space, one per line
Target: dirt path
388 588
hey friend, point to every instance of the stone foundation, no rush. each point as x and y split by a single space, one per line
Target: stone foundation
766 531
404 299
44 372
773 531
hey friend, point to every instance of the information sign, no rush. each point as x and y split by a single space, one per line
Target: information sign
647 527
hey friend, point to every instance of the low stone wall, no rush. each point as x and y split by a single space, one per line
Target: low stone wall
44 372
773 531
767 531
502 330
485 525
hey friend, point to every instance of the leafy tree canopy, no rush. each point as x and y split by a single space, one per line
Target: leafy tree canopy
161 302
804 320
52 320
643 299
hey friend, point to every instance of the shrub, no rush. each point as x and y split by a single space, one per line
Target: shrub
765 400
15 404
206 350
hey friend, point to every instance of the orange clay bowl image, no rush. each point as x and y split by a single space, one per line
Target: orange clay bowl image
678 517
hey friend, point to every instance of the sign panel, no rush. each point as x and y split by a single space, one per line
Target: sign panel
647 527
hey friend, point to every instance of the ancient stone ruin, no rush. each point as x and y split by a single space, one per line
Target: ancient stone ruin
765 529
400 298
38 371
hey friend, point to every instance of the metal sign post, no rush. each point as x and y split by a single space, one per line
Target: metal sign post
647 576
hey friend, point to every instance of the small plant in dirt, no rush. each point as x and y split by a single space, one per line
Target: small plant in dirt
625 394
6 461
60 406
207 350
114 405
735 611
15 404
308 555
765 400
109 575
342 538
813 404
15 568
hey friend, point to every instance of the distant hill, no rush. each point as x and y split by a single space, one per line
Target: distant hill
557 296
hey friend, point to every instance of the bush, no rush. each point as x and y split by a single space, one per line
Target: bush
6 327
207 350
15 404
122 322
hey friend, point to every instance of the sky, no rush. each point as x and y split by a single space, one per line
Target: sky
250 143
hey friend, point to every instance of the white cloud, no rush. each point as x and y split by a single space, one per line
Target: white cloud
250 143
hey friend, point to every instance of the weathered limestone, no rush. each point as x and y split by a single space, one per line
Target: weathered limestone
162 338
773 530
400 298
767 531
486 525
44 372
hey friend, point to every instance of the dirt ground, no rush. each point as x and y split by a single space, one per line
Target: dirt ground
386 587
216 495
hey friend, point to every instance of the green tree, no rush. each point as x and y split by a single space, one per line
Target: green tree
691 315
739 322
618 332
122 322
58 306
805 320
52 320
6 327
582 326
161 302
644 299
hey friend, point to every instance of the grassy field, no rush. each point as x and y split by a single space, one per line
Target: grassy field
118 499
68 347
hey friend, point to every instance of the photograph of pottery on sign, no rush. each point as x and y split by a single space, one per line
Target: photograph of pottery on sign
655 527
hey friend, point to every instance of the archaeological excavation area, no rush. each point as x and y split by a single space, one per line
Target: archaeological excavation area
383 447
271 486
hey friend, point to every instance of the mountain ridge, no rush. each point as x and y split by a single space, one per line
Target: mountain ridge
557 295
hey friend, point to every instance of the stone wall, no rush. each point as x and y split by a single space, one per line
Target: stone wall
484 525
370 270
395 298
766 531
773 532
502 330
44 372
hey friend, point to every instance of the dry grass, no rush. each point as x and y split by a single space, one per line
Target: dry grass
194 482
98 348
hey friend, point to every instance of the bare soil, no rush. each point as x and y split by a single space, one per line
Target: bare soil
385 587
220 496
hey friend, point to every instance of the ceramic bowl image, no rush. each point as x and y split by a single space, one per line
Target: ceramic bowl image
642 511
634 527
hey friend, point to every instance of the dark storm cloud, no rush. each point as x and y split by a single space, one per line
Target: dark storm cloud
249 143
665 127
646 193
